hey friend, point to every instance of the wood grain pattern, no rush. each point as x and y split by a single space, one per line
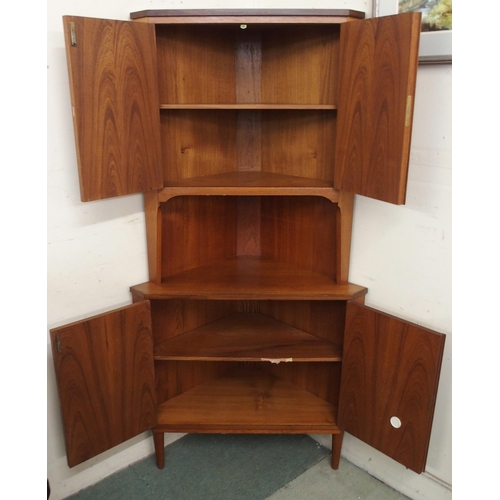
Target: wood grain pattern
378 66
299 64
299 143
176 317
323 319
198 143
247 402
249 279
320 379
247 337
196 64
390 368
200 231
106 381
114 93
174 378
197 231
152 216
300 232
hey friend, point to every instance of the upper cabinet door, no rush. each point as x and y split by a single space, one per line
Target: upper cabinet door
390 374
114 93
378 66
105 376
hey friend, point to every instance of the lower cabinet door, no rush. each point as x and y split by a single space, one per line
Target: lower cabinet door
390 374
105 376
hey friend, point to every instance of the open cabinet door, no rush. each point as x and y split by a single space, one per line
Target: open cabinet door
105 376
378 67
114 93
390 374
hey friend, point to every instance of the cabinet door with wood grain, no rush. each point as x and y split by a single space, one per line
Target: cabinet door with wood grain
114 93
378 67
390 374
105 376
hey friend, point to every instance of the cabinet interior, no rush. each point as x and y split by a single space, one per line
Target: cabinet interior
199 231
260 99
228 65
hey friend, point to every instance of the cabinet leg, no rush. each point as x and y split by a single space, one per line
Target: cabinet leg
336 447
159 449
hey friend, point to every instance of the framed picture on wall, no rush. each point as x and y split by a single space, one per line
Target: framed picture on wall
436 37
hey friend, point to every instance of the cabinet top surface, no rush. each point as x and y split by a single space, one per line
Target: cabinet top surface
258 13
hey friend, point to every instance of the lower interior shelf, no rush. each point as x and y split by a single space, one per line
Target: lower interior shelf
247 401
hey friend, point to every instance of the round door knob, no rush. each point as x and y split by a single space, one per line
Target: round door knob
395 422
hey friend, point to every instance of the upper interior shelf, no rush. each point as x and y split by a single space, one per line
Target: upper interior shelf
248 183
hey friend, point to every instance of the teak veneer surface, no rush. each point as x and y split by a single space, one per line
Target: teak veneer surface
249 278
248 337
106 380
390 368
247 401
378 66
249 183
114 94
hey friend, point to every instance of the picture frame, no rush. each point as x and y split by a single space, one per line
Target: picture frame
435 46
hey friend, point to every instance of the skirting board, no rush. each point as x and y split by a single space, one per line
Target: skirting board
414 486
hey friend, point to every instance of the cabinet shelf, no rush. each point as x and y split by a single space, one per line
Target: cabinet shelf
247 337
247 401
251 106
249 278
248 183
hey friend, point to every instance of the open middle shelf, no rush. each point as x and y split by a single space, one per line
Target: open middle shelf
249 278
248 337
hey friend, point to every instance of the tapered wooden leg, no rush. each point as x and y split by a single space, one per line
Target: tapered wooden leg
336 447
159 449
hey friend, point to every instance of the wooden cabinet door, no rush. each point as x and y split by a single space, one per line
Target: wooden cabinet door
105 376
390 374
378 66
114 94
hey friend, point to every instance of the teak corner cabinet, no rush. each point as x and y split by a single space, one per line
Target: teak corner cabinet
249 132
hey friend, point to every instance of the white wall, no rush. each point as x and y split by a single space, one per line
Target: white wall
97 250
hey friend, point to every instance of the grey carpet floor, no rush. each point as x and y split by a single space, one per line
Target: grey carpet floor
213 467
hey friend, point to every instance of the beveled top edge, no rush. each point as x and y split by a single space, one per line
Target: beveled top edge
246 12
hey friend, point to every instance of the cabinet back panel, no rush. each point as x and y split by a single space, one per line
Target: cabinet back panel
205 142
174 317
196 143
201 64
197 231
300 231
320 379
299 143
196 64
299 64
176 377
324 319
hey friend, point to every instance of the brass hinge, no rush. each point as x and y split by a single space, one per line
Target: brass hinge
73 33
58 343
408 111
